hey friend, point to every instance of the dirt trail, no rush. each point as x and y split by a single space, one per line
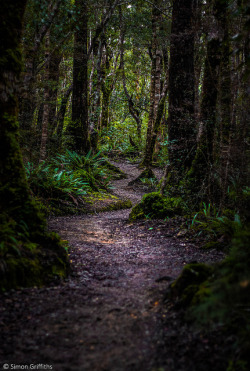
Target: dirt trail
108 315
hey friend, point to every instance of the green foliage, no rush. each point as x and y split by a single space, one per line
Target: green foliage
116 139
92 169
152 182
207 222
64 183
154 205
47 181
69 175
239 197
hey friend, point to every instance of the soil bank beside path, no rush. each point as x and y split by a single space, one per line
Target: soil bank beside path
108 315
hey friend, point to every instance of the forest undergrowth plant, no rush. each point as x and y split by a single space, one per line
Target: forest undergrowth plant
217 228
69 179
92 168
51 182
151 182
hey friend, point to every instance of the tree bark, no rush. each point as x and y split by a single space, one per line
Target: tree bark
78 128
46 106
132 109
61 114
27 100
225 96
199 176
181 123
155 85
15 200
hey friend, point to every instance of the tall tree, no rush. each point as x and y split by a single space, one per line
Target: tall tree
46 106
16 206
225 97
78 128
155 83
181 123
132 109
200 175
43 20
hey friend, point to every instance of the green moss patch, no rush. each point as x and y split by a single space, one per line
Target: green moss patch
189 282
29 259
155 205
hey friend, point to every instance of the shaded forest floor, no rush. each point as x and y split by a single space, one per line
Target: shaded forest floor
110 314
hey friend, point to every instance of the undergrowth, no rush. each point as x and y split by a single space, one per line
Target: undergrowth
215 228
65 180
218 298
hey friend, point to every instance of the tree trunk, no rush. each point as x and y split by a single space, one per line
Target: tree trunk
96 97
54 69
225 96
181 123
15 199
78 128
27 101
107 85
61 115
30 266
46 106
200 177
106 95
155 85
132 110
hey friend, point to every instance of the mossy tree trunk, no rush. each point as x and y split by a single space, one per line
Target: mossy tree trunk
181 122
14 192
24 261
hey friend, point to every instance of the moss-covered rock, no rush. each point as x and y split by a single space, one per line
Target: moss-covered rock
189 282
155 205
219 296
24 263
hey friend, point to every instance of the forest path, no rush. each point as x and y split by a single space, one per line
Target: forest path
108 315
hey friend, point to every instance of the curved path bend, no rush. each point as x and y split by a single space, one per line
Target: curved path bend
108 315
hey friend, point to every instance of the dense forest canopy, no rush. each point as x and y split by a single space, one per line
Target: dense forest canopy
163 83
